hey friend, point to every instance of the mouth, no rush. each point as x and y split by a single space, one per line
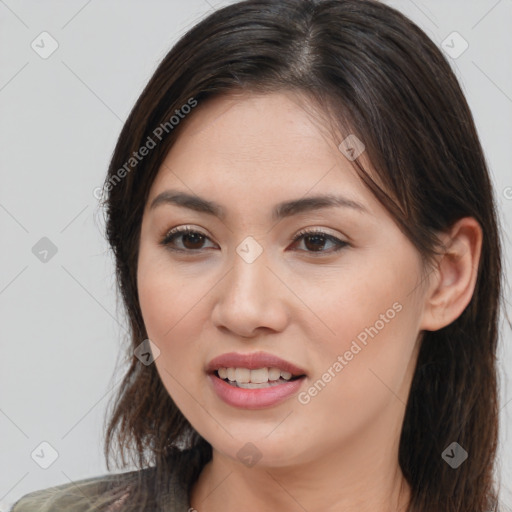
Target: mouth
254 381
259 378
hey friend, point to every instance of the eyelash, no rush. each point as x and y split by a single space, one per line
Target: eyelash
181 231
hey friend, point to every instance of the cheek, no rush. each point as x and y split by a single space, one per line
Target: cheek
172 324
362 302
364 361
369 383
172 318
172 308
168 296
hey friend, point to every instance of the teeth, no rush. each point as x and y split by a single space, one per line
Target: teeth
259 376
274 373
242 375
246 377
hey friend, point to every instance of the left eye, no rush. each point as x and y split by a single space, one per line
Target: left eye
192 240
317 240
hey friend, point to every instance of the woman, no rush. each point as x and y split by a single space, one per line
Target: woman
307 247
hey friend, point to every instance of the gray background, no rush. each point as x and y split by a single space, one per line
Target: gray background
62 327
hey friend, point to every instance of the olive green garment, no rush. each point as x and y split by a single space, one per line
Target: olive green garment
106 493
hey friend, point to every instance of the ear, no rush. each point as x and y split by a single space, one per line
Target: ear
453 281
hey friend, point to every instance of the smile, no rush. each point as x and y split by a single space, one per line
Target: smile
254 380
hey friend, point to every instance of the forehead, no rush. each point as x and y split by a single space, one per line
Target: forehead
257 147
273 127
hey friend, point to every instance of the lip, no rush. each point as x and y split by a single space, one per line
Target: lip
253 361
254 398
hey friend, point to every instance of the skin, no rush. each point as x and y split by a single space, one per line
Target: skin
339 451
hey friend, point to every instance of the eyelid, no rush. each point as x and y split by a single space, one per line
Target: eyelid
315 230
184 228
181 230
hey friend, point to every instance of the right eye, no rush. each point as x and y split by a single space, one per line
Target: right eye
191 239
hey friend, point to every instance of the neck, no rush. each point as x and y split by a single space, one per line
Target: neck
352 479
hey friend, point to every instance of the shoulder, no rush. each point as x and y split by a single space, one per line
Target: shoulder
105 493
163 489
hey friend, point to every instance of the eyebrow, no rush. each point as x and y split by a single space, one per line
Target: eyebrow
280 211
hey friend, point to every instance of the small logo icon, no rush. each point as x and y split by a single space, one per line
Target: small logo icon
454 455
44 250
146 352
455 45
351 147
249 454
44 455
249 249
44 45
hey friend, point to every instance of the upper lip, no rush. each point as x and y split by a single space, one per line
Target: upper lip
252 361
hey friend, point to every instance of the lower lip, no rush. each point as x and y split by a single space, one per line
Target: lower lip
254 398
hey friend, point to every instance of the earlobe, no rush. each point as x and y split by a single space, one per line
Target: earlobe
453 281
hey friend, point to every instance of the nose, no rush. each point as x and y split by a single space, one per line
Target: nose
250 299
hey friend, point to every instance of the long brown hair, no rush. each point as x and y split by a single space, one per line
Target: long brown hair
377 75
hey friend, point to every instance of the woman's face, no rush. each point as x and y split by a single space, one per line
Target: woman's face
344 306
